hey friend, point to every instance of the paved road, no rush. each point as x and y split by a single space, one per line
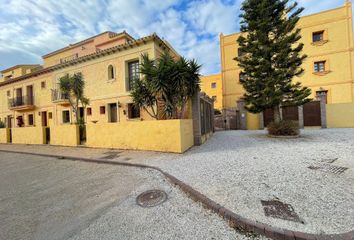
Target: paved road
46 198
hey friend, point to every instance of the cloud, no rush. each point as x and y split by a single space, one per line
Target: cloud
32 28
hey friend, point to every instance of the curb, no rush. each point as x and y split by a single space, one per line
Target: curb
235 221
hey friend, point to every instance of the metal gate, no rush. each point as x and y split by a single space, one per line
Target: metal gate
206 117
312 114
291 113
268 116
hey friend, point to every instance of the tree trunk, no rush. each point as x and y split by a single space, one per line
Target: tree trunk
276 112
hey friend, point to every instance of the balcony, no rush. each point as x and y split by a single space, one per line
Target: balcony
59 97
22 103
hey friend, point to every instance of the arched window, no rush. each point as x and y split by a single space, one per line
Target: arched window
111 72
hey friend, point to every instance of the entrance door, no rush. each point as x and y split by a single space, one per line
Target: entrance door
44 119
113 112
312 114
9 121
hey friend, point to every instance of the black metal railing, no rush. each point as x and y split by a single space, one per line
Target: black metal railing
58 95
21 101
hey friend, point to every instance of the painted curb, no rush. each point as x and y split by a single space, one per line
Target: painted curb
235 221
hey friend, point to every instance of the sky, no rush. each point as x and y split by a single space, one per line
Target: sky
30 29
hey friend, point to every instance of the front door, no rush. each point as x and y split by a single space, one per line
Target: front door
44 119
113 112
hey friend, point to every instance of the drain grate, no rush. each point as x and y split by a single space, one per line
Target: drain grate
278 209
329 160
151 198
111 152
111 155
328 168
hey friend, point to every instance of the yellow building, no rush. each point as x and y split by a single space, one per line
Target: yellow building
212 85
328 40
109 63
31 102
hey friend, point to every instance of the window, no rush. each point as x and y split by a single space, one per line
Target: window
102 110
30 119
133 112
66 116
8 93
89 111
43 84
111 73
50 115
133 74
213 85
242 76
317 36
320 66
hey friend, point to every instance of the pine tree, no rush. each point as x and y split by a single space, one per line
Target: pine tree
271 56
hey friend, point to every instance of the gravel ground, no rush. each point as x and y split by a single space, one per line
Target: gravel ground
45 198
238 169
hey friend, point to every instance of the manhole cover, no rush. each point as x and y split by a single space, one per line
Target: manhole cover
278 209
151 198
328 168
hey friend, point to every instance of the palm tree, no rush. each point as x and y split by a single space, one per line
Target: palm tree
168 83
186 83
73 87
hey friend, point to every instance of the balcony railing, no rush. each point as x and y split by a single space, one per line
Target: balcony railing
59 96
21 101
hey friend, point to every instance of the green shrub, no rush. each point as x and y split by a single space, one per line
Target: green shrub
284 128
2 124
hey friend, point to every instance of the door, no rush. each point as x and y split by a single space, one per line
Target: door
9 121
18 100
44 119
113 112
29 95
268 116
312 114
82 113
290 113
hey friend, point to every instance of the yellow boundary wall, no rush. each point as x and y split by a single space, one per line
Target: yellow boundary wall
28 135
340 115
163 135
65 135
4 135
